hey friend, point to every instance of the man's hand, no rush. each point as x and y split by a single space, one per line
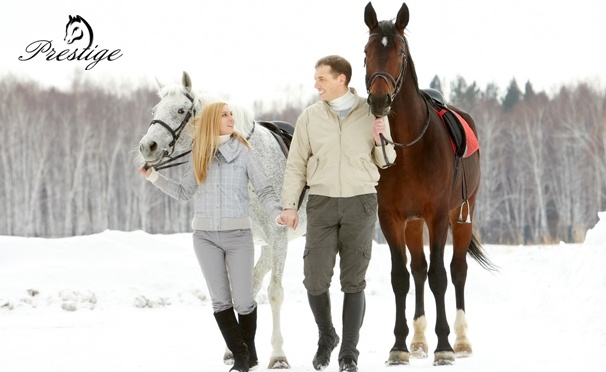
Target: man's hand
289 218
378 128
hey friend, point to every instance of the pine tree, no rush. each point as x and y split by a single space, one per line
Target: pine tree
513 95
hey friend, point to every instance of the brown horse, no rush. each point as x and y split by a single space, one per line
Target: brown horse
428 184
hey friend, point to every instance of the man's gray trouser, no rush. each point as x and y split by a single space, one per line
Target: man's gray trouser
343 226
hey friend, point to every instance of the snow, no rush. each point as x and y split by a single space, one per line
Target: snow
132 301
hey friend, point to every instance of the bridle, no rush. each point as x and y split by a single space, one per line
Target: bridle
397 85
175 133
389 79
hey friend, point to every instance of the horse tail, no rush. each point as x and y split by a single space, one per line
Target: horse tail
477 253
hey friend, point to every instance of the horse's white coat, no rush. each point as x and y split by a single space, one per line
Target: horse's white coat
272 238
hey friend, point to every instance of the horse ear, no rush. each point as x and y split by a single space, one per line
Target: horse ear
159 84
370 17
402 18
186 80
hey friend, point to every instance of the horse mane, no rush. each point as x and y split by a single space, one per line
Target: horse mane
244 117
388 29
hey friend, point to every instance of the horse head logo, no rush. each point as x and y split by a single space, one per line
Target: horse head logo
76 29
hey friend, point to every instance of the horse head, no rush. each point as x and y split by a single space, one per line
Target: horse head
385 59
171 128
76 28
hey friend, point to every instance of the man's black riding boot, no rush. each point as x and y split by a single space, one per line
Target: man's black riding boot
328 338
354 307
248 324
230 329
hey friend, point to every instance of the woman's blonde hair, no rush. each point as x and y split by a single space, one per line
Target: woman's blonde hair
206 138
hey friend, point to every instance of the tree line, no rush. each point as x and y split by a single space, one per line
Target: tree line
67 161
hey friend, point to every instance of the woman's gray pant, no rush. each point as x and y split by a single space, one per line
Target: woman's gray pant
227 259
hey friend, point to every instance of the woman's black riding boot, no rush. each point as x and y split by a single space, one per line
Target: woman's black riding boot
230 329
328 338
354 307
248 325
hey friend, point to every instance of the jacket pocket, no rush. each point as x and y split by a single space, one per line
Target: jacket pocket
313 165
371 169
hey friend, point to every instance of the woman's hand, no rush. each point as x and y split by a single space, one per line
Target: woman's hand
289 218
145 171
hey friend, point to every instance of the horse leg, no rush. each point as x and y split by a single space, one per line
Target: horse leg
278 358
438 281
400 283
461 234
418 267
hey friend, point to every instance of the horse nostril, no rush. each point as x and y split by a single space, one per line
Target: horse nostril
153 146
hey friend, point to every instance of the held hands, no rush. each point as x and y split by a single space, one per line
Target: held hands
288 218
378 127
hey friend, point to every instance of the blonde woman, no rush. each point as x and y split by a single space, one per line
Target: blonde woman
221 166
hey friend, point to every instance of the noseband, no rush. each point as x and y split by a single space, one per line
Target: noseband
389 79
176 133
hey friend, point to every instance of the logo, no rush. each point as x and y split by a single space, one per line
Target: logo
78 33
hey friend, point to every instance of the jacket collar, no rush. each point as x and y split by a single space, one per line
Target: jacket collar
230 149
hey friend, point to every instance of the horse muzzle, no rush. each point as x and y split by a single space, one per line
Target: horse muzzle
379 105
150 153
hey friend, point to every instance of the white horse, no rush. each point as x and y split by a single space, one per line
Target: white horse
171 131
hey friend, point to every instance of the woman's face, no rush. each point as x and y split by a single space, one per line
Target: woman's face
226 126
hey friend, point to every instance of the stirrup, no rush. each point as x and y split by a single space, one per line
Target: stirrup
468 219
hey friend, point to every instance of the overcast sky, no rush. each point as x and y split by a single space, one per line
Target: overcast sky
266 49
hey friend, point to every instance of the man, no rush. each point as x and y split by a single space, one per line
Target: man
335 150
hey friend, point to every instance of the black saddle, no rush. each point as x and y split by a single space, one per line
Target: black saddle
282 131
449 119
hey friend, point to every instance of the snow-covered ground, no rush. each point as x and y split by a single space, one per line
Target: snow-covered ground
131 301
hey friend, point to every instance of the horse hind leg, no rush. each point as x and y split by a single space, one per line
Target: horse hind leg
278 358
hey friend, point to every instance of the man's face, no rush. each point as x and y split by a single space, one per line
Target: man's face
328 86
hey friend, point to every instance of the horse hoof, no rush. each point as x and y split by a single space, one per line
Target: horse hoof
398 358
278 363
463 350
228 359
444 358
418 350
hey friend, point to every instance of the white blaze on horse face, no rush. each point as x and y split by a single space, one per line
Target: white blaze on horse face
384 41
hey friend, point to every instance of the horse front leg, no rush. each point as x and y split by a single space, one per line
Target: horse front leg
438 282
461 234
418 267
400 283
278 358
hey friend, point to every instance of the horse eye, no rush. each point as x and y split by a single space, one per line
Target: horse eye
181 111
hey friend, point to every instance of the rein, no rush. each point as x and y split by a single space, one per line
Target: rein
176 133
385 141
